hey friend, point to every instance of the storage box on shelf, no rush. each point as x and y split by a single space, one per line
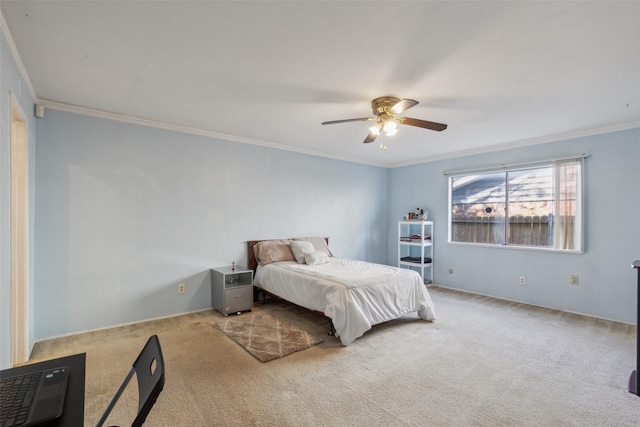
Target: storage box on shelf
415 247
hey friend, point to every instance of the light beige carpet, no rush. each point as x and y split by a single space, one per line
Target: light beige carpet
264 336
483 362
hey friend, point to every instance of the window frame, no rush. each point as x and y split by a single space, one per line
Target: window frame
579 239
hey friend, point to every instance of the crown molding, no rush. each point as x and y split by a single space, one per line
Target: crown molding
526 142
217 135
185 129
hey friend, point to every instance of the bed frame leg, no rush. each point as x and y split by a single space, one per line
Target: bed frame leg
332 330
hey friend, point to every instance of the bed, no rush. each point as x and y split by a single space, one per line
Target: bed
354 295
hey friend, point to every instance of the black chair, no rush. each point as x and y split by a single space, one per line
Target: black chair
149 370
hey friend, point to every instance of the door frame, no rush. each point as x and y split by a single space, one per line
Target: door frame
20 313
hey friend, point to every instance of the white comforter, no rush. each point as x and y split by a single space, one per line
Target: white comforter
354 294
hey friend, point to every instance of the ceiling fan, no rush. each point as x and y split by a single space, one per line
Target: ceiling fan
386 109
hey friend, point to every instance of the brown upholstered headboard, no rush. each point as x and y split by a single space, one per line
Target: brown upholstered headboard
251 257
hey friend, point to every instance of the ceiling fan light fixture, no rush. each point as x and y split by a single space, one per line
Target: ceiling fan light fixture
375 129
386 110
390 127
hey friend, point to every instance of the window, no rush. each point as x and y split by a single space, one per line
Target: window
536 206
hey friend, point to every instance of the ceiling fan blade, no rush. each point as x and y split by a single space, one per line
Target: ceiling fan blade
403 105
422 124
370 138
362 119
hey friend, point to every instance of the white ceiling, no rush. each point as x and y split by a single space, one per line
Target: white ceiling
498 73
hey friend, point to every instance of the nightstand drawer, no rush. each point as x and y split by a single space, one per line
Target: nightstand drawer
238 299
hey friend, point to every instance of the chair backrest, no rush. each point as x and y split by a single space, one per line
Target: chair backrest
149 370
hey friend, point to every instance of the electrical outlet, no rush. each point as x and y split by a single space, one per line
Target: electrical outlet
523 281
182 288
573 279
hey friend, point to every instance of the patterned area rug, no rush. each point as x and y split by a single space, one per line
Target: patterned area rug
264 336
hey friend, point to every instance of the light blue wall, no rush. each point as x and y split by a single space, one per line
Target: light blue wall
607 285
126 212
12 84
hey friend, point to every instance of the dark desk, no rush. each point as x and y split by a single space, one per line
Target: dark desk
73 414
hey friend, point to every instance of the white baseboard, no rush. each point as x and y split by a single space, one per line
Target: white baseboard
119 325
532 305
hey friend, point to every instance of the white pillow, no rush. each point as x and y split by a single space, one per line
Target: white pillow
319 243
316 257
299 248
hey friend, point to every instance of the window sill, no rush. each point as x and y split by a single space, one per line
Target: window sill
518 248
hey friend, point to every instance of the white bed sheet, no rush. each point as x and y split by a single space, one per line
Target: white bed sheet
354 294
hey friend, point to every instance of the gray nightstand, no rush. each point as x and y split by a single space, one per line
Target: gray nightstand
232 290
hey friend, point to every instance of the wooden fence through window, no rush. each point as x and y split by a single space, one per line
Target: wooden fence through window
523 230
